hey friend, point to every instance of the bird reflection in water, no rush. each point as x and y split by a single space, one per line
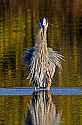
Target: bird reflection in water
42 110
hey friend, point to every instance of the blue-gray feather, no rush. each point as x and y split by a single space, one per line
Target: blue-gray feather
27 56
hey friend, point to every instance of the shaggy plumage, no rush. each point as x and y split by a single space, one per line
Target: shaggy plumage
41 61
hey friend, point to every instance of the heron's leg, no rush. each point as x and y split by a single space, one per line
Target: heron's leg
49 83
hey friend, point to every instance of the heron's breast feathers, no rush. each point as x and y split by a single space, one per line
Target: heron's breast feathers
41 63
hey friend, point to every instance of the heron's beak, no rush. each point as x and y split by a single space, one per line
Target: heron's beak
43 30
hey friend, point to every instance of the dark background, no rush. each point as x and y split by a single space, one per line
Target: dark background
18 29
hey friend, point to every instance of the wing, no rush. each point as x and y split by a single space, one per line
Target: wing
27 56
55 57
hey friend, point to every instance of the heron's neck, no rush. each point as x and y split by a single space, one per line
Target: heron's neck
41 39
41 43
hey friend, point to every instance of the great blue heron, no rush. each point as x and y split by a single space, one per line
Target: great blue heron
41 61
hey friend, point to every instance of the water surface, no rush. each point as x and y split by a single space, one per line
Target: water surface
41 108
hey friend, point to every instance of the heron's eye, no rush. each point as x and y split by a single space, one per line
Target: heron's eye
44 22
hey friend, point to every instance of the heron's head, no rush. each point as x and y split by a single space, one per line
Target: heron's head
43 23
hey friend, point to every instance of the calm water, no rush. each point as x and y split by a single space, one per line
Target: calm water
18 29
42 108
